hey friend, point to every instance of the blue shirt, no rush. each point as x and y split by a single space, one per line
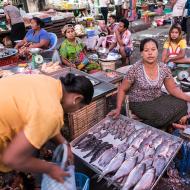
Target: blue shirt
36 38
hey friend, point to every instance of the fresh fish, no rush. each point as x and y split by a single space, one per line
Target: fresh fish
97 129
121 134
92 145
104 134
163 148
99 152
147 141
124 135
137 141
82 139
150 151
148 162
107 156
125 168
157 141
130 152
122 147
117 135
171 150
86 143
146 181
135 175
134 135
98 135
159 164
95 149
140 156
113 165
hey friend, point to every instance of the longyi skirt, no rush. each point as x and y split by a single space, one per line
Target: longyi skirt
161 112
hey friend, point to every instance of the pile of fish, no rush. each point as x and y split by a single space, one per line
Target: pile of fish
137 161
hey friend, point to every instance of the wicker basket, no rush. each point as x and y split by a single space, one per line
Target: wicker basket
86 117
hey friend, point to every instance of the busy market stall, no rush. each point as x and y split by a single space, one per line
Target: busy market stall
94 95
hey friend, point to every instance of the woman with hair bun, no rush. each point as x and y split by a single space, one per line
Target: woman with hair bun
26 124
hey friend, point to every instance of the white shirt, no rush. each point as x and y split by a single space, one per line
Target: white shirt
118 2
178 8
104 3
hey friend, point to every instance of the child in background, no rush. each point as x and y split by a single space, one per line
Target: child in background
103 32
175 47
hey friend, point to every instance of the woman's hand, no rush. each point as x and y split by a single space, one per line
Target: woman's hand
179 126
57 173
115 113
183 120
70 155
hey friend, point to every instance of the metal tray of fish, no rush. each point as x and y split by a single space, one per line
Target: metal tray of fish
127 152
7 52
65 71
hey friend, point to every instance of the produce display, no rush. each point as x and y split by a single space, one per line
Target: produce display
129 154
50 67
79 30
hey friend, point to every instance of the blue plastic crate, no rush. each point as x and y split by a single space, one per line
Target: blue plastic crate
82 181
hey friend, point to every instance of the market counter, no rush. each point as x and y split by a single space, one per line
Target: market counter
80 121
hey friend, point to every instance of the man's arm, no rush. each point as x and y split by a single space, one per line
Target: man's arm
18 156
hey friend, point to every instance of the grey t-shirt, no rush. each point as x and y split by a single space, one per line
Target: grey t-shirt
14 14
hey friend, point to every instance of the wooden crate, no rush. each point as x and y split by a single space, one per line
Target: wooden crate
81 120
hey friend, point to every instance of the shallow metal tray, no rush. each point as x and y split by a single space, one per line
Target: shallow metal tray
11 52
139 125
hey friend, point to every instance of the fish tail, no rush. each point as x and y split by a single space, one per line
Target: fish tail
110 183
87 155
95 176
100 178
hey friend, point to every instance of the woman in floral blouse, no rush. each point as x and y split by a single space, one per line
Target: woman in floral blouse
143 84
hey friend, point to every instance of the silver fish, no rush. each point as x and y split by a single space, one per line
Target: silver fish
99 152
125 168
140 156
146 181
163 148
107 156
148 162
135 175
150 152
124 135
134 135
113 165
171 150
147 141
82 139
122 147
159 164
130 152
104 134
157 141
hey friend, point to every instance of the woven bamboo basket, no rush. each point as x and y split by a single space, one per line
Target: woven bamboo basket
81 120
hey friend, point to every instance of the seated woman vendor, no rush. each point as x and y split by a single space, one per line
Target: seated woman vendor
143 84
36 37
175 47
72 50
